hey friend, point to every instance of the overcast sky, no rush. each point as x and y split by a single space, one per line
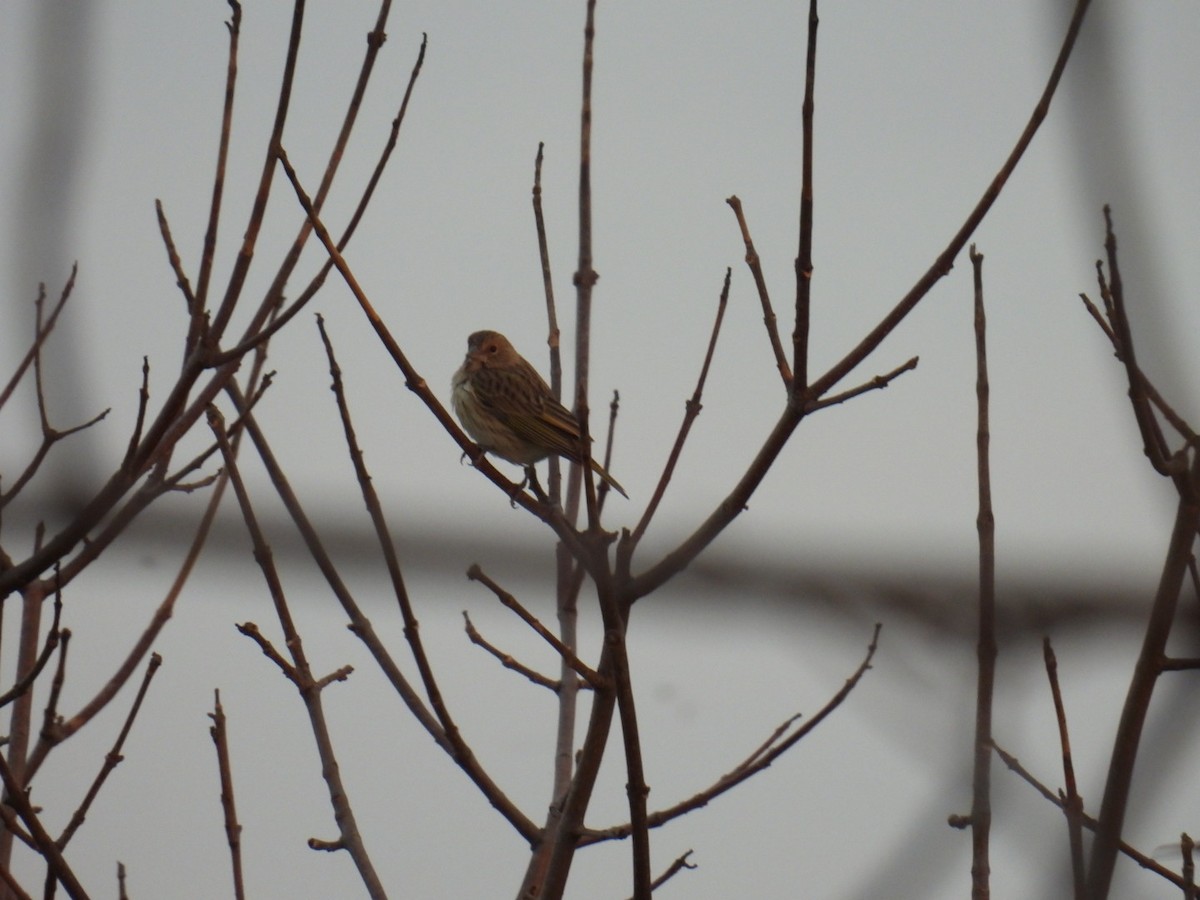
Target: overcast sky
107 107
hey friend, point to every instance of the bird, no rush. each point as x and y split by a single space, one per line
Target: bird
508 409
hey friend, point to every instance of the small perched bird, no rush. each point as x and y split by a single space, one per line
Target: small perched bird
508 409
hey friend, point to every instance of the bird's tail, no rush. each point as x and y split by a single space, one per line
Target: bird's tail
612 482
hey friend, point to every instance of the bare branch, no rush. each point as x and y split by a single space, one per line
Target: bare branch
945 260
1088 822
507 659
878 383
233 830
475 573
804 262
56 863
760 282
306 685
113 758
692 407
779 742
40 335
981 804
1072 802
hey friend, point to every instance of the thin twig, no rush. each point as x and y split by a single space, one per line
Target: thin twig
585 279
443 728
1088 822
451 742
241 266
1186 847
878 383
41 334
1162 614
11 883
675 868
56 863
1153 442
945 260
113 758
198 307
1176 421
1072 802
760 282
475 573
507 659
233 830
181 279
981 805
804 261
692 411
553 334
308 688
53 637
780 741
257 336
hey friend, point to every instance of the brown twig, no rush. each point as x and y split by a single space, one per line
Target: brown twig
198 307
804 262
738 498
41 333
568 572
181 279
307 686
387 546
692 410
1087 821
760 282
443 728
1141 688
53 638
50 434
233 830
552 337
20 723
546 875
585 278
672 870
945 260
450 741
507 659
56 863
1176 421
613 609
878 383
143 405
779 742
1186 847
252 631
981 805
11 883
1072 802
1162 615
255 337
475 573
241 266
1153 442
113 758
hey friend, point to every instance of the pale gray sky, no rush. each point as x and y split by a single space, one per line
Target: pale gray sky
107 107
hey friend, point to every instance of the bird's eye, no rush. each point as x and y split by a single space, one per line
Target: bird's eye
492 348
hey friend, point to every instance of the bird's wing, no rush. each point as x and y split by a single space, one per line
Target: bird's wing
520 399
